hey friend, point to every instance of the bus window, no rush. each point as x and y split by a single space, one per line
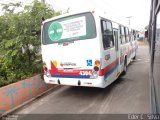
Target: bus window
122 35
134 34
107 34
126 34
130 35
115 34
71 28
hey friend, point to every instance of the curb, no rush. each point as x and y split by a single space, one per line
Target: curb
29 101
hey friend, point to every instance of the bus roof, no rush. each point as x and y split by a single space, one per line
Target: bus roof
98 13
64 15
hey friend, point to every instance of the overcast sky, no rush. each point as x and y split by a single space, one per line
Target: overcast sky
117 9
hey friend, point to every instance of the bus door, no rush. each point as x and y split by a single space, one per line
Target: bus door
109 53
117 50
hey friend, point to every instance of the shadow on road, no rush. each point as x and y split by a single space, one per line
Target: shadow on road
89 92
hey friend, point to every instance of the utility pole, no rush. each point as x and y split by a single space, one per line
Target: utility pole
129 17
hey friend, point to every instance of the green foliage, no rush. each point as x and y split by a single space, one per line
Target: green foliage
19 56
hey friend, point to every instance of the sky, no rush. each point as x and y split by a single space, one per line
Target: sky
118 10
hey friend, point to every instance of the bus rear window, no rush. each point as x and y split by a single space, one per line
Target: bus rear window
75 27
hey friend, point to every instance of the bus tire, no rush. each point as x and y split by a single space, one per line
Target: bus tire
134 56
125 67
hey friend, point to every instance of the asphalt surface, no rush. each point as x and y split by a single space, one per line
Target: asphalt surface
128 94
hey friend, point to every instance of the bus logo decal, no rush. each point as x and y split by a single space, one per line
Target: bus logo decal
55 31
67 64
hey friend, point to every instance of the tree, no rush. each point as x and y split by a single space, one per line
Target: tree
20 47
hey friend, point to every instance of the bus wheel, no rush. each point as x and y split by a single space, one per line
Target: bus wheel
134 57
125 68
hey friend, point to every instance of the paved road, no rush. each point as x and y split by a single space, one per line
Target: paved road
128 94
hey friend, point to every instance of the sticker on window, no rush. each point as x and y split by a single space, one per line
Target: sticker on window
70 28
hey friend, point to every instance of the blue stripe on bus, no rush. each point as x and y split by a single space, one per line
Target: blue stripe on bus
107 74
85 77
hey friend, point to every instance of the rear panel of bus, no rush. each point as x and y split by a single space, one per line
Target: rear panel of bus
71 51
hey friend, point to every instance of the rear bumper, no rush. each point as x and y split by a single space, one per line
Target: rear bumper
98 82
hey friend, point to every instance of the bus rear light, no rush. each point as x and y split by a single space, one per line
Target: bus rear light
45 68
46 71
94 74
96 68
97 63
